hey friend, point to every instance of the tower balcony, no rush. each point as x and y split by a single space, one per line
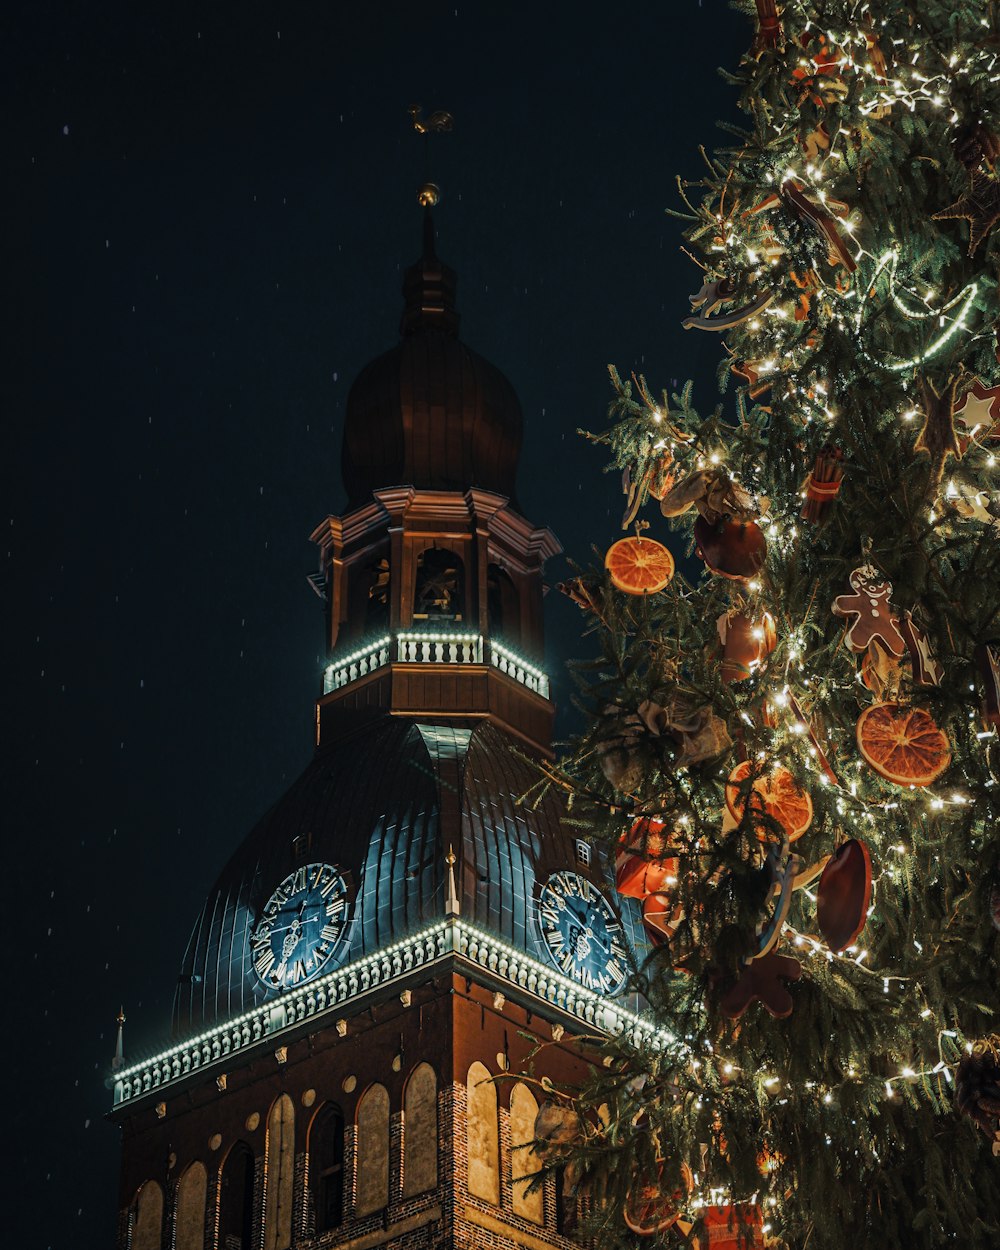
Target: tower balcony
437 673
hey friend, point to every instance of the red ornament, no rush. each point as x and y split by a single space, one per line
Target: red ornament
640 867
746 643
661 917
732 1228
733 549
843 895
762 979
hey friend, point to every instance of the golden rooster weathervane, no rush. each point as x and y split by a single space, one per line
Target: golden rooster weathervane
437 123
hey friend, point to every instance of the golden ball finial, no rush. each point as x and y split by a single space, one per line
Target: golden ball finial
429 195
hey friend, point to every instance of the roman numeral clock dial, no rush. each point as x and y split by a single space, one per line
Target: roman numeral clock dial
299 926
583 937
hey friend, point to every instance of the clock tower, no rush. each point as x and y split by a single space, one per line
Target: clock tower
381 954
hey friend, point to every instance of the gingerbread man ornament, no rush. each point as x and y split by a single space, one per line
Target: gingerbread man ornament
870 612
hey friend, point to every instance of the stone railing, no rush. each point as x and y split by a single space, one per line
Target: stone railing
520 670
451 938
427 647
273 1018
434 648
359 664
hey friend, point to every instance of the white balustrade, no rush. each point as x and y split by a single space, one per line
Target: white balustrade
431 648
351 667
426 647
451 938
520 670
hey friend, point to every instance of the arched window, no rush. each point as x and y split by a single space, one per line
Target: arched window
147 1229
326 1167
279 1173
503 608
192 1193
236 1199
439 589
373 1151
482 1135
524 1162
420 1131
375 588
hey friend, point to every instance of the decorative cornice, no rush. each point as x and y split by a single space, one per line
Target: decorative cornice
451 941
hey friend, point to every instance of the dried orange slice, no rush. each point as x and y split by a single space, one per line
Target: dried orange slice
648 1210
639 566
902 744
778 796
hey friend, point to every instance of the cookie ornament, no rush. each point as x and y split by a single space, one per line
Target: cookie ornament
869 613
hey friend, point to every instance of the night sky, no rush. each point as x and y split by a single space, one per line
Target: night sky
207 218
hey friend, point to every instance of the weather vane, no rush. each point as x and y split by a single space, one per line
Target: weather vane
437 123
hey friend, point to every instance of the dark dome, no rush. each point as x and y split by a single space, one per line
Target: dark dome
431 412
385 806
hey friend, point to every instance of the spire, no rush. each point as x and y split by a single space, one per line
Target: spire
119 1059
429 286
451 904
429 291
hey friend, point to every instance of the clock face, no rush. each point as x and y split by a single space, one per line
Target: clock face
299 926
583 936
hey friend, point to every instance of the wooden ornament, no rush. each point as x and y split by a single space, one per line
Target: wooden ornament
822 486
784 871
746 643
813 735
734 549
995 904
844 894
749 371
980 207
988 662
926 670
818 75
977 1085
661 917
937 438
703 321
881 672
769 32
794 193
869 612
979 415
762 980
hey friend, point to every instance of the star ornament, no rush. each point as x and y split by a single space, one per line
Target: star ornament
980 207
937 438
980 411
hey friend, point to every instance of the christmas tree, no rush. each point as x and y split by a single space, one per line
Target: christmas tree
793 749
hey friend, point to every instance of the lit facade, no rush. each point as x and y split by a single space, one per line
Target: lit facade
379 957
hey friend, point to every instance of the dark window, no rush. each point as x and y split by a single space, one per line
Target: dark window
236 1199
377 601
327 1168
502 607
439 593
565 1205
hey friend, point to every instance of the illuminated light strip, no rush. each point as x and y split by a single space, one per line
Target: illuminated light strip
337 673
967 297
332 992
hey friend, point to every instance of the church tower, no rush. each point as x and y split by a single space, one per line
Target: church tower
363 984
